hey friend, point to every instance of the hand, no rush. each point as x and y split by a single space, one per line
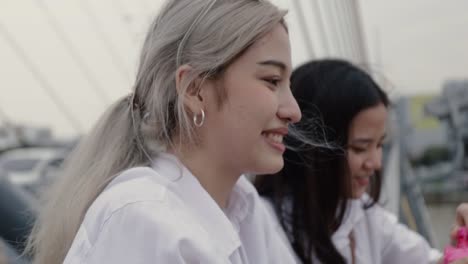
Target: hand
462 214
461 219
460 261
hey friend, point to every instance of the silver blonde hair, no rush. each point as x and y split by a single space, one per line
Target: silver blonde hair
205 34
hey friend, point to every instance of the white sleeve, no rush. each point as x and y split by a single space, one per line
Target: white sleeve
134 235
402 245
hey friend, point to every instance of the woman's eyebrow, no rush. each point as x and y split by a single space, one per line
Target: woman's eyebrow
282 66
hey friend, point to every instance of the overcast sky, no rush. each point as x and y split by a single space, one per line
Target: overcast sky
84 52
422 42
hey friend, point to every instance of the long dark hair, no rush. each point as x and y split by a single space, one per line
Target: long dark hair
310 193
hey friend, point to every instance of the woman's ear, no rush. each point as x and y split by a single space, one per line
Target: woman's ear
189 88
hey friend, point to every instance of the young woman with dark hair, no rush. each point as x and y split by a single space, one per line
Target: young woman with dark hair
325 197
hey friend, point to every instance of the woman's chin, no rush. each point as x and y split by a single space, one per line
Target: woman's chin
358 193
271 166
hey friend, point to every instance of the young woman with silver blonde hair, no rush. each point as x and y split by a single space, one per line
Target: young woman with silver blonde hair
158 180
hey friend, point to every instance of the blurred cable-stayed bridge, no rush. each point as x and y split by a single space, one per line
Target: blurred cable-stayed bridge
67 61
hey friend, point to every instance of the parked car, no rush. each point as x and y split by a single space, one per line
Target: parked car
8 138
32 168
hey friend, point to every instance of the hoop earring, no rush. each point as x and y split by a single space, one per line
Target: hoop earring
199 123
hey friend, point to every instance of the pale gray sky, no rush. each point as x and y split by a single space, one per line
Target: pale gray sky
77 47
422 42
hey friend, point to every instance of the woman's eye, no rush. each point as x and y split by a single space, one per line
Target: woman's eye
273 81
357 149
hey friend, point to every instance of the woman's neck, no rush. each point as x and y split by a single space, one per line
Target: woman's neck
214 176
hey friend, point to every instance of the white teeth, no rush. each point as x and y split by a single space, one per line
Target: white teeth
278 138
363 177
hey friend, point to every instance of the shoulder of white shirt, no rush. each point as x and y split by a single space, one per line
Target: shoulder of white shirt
145 184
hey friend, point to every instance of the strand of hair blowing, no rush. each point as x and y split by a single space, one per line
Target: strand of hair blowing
107 150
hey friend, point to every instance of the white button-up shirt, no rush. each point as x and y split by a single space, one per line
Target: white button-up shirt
163 215
379 238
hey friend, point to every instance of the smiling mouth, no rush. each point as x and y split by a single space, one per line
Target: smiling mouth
274 137
275 140
362 180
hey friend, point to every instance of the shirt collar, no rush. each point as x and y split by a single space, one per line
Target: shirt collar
354 214
221 229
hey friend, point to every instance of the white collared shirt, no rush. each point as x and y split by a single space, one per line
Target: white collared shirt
163 215
379 238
